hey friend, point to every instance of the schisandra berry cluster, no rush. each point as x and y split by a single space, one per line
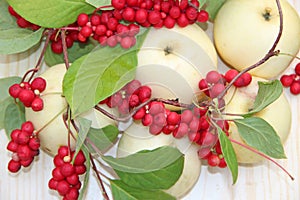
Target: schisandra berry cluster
29 93
65 176
24 145
130 96
159 13
292 80
22 23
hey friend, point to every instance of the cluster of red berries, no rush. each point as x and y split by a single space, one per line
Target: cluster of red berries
214 83
130 96
25 145
107 29
292 80
56 39
65 176
22 23
29 93
160 13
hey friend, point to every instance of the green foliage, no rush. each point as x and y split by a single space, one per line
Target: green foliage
213 7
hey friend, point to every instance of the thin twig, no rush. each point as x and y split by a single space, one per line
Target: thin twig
65 48
270 53
102 188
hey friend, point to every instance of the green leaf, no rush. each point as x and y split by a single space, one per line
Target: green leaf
202 3
229 154
100 3
102 138
258 133
87 173
51 14
98 75
213 7
14 117
121 191
5 98
6 20
268 92
84 127
18 40
156 169
76 51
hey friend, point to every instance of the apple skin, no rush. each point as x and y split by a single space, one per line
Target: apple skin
172 66
137 138
277 114
54 132
242 36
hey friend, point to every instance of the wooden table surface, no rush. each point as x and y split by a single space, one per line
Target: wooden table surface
256 182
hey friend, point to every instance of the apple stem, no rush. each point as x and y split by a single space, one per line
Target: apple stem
263 155
102 188
65 48
272 52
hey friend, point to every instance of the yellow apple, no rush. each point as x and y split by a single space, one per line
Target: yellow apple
137 138
49 121
277 114
244 31
172 61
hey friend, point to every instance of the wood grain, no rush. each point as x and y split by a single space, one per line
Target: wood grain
256 182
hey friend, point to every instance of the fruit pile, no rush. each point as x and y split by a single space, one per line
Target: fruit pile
292 80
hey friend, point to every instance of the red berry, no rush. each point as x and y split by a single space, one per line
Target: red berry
141 15
14 134
181 131
26 163
230 74
165 6
202 84
156 108
154 17
73 179
67 169
204 153
194 136
155 129
23 23
297 69
222 163
191 13
132 86
194 125
203 16
112 41
213 77
26 97
169 22
23 138
208 139
81 169
27 127
133 29
100 29
295 87
128 14
112 24
173 118
147 120
58 161
216 90
63 151
13 12
287 80
134 100
186 116
15 90
82 19
24 152
12 146
159 119
38 84
14 166
144 93
57 47
118 4
175 12
37 104
72 194
57 175
52 184
80 158
139 114
213 160
63 187
182 21
126 42
34 143
95 19
86 31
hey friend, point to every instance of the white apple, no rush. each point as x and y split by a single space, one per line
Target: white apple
172 61
49 122
137 138
277 114
244 31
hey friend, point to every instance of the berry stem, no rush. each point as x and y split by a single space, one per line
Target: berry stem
102 188
263 155
102 7
67 28
65 48
287 54
272 52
